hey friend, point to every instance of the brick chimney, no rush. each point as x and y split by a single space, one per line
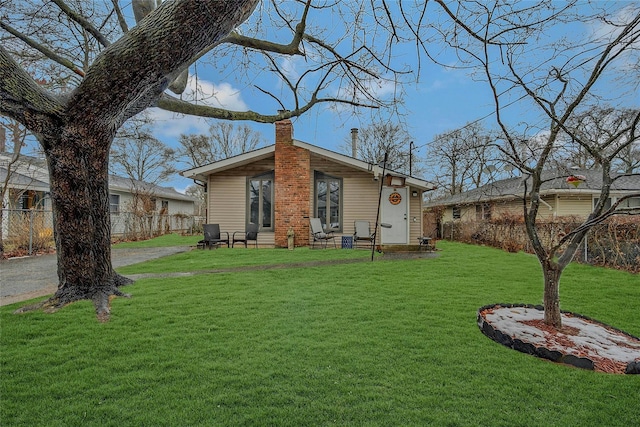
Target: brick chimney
292 187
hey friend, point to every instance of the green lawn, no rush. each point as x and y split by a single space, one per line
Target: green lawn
162 241
383 343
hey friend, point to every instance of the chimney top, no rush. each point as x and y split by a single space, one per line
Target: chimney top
354 142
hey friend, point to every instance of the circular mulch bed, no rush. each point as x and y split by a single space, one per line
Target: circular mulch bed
581 342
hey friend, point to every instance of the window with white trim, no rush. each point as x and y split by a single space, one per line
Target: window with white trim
114 203
259 201
328 201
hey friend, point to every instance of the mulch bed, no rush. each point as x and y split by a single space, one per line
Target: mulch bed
581 342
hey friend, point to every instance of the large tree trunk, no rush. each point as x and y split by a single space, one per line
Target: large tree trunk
78 167
552 314
76 130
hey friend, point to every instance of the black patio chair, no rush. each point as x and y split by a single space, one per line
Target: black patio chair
213 236
250 235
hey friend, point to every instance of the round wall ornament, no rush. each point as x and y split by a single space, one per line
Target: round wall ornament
395 198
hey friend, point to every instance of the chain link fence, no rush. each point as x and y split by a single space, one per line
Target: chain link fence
31 230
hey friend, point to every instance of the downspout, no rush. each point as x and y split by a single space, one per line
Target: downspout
206 198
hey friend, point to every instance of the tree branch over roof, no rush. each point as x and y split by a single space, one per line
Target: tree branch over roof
133 88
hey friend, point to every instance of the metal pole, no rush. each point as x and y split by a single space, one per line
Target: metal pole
586 248
375 233
30 231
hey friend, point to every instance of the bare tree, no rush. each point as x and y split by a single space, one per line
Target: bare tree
197 192
107 71
76 131
602 125
375 140
464 158
224 140
8 165
558 78
139 156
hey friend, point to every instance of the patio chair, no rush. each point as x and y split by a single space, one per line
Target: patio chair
363 233
213 236
319 235
251 234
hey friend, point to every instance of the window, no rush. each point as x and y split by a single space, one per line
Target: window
259 197
165 207
607 204
114 203
633 202
328 201
456 212
483 211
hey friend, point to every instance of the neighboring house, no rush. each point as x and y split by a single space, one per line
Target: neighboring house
28 188
558 197
281 186
28 185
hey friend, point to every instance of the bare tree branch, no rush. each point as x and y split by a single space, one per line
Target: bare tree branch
84 23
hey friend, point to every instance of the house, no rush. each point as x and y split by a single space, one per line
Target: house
279 187
28 188
558 196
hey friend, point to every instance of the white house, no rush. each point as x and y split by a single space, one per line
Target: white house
28 188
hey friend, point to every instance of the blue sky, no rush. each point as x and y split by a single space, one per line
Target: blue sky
442 99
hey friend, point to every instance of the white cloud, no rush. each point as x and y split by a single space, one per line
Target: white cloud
201 92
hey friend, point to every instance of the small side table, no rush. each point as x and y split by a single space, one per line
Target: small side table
425 242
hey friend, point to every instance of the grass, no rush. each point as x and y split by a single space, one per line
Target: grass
382 343
162 241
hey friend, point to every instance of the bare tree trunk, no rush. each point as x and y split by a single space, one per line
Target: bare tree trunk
78 166
552 315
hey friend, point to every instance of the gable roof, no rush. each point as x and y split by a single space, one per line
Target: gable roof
554 183
32 173
202 172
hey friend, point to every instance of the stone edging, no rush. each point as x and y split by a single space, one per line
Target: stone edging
542 352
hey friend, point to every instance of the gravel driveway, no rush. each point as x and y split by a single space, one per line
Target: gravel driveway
31 277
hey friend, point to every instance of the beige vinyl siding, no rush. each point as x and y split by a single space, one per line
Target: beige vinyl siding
507 207
514 207
468 213
178 206
228 205
575 205
359 192
415 211
447 215
360 201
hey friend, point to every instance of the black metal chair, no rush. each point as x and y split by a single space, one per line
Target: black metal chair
250 235
213 236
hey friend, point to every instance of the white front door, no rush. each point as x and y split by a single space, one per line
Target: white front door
394 211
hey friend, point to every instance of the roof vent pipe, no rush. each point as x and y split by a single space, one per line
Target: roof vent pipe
354 142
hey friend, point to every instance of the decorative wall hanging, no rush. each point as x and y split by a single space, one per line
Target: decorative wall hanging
395 198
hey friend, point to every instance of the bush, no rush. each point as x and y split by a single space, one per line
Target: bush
614 243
